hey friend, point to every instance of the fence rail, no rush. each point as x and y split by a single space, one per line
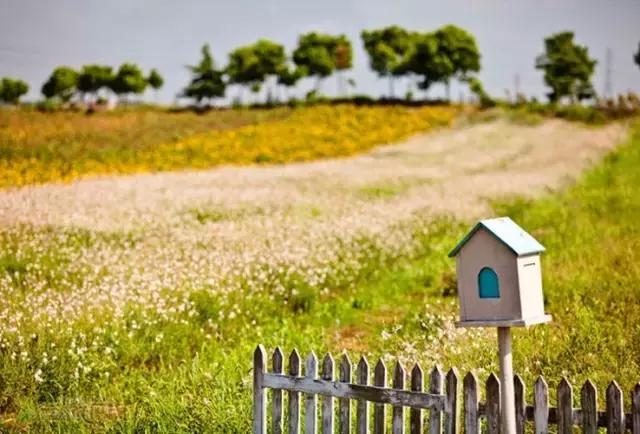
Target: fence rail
435 410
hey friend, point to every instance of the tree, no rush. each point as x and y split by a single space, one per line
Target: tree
319 55
206 82
251 65
129 79
567 68
92 78
460 48
62 84
342 58
386 48
426 60
155 80
12 89
636 57
288 76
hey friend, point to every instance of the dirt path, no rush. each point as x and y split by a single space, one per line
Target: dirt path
452 171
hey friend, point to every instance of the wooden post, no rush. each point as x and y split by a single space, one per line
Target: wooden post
259 397
508 413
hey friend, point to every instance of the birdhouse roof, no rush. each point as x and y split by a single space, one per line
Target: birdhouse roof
506 231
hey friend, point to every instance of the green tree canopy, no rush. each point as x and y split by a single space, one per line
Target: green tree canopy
12 89
128 79
61 83
252 64
154 79
92 78
319 54
567 68
459 46
386 48
206 82
426 60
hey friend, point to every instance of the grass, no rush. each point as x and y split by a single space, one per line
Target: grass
195 375
62 146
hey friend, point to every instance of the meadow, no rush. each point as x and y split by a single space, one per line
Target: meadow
134 304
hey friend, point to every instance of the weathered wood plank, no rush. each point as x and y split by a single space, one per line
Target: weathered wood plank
345 403
635 409
259 397
589 403
451 407
397 419
520 404
415 414
615 412
294 396
277 411
541 406
338 389
379 380
492 407
436 380
471 399
311 399
362 409
327 401
565 407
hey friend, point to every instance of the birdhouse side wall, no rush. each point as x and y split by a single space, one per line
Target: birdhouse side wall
484 250
530 281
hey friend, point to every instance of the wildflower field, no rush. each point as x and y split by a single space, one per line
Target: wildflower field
133 304
43 147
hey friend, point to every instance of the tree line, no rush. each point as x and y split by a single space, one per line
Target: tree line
440 56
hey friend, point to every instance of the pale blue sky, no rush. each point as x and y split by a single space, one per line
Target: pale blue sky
36 36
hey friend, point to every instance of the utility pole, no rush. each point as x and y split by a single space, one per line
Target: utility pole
608 72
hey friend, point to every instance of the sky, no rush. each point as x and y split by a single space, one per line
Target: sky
36 36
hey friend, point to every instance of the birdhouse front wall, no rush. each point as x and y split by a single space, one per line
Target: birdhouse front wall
488 282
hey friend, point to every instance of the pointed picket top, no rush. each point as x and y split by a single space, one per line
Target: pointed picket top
416 377
518 382
493 381
613 388
294 362
327 367
363 370
380 374
277 360
564 384
311 365
399 375
565 407
260 357
436 373
541 383
615 409
345 368
589 404
470 380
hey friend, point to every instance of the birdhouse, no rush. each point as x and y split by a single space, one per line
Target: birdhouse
499 276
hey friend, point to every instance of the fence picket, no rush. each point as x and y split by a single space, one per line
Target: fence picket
589 404
345 403
565 407
471 399
521 404
615 409
380 380
451 413
259 396
277 411
362 413
294 397
327 401
635 409
415 414
541 406
492 407
397 420
311 400
435 386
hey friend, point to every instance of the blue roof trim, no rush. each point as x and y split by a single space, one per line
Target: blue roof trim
506 231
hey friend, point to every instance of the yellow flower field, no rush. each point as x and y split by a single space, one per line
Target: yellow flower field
39 150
